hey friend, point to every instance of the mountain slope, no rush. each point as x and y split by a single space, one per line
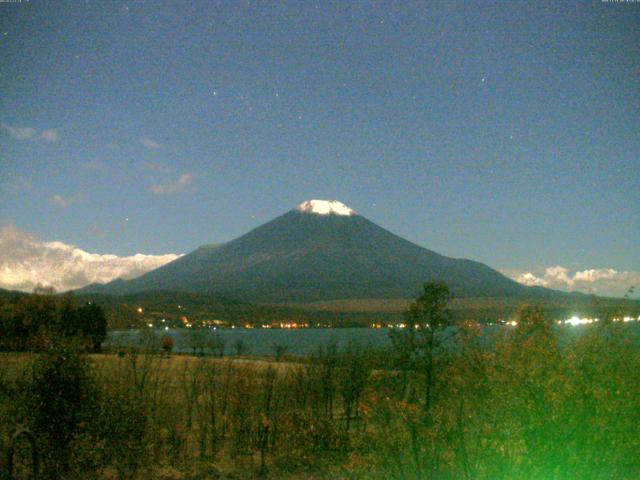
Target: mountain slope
307 256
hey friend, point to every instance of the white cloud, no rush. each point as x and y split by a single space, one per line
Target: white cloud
150 144
49 135
158 167
168 188
601 281
530 279
28 133
25 261
64 202
20 133
595 274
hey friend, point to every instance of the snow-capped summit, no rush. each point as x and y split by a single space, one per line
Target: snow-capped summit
325 207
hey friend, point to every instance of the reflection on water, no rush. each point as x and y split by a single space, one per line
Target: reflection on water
256 341
301 341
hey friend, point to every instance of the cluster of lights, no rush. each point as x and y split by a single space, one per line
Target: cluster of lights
294 325
209 323
575 320
578 321
416 326
285 325
166 328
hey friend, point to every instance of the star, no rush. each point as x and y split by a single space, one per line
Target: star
215 93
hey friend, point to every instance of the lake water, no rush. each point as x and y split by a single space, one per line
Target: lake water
256 341
298 341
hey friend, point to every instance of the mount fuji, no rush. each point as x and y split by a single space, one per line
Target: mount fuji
321 250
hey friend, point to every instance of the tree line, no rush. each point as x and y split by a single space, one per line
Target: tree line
32 322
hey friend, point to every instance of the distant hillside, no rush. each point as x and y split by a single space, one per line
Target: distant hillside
139 309
123 311
11 293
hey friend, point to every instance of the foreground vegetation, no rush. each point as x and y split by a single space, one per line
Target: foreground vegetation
32 322
523 405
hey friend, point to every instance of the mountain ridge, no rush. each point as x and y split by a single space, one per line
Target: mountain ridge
306 256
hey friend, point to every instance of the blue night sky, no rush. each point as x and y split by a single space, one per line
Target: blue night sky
505 132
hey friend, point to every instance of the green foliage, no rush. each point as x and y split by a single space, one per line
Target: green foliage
27 322
532 321
94 324
430 308
520 406
120 430
58 398
81 423
416 346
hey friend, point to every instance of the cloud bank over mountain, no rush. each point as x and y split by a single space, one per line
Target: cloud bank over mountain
26 261
601 281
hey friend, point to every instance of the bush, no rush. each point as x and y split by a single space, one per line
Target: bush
59 399
120 431
167 345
